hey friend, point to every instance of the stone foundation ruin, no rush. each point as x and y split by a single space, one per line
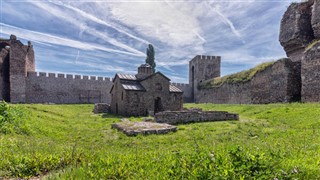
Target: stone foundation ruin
144 128
193 116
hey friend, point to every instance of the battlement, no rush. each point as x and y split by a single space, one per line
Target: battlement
180 84
67 76
204 57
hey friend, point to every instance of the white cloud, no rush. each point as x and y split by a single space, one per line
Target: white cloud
159 21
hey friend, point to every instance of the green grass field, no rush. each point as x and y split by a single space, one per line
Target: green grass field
70 142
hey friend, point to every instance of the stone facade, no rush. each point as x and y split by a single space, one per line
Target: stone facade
144 94
182 117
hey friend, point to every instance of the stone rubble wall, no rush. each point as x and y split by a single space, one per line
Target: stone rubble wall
182 117
66 89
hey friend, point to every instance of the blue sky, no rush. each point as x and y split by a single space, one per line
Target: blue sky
109 36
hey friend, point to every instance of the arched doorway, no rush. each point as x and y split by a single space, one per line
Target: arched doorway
158 105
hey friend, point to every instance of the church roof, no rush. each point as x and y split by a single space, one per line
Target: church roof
174 89
132 86
127 77
130 82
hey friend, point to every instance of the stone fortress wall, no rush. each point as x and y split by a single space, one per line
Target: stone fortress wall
276 83
44 87
19 83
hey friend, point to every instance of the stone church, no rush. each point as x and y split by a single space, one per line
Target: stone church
145 93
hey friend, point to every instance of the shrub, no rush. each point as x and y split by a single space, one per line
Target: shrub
13 119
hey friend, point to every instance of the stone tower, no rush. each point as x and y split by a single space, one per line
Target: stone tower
16 60
202 68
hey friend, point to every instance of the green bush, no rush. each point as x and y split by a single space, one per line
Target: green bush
13 119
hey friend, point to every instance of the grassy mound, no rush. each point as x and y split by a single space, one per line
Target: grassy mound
13 119
242 76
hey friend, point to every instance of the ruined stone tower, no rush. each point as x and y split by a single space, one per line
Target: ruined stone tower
16 60
202 68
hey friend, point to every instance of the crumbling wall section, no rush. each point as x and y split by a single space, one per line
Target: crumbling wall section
66 89
296 30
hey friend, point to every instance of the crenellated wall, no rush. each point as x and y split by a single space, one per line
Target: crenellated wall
44 87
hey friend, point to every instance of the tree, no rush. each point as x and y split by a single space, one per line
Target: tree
150 57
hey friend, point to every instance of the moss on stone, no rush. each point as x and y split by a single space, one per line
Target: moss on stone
242 76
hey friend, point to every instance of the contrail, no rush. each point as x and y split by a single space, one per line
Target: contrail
226 21
97 20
